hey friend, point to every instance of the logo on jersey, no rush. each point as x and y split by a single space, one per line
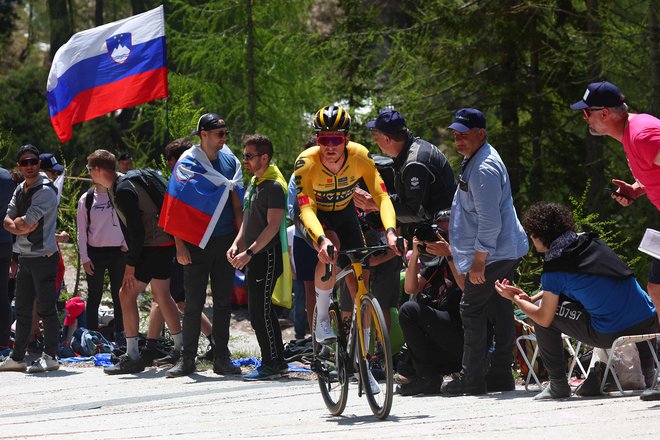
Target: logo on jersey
303 200
383 187
343 181
299 164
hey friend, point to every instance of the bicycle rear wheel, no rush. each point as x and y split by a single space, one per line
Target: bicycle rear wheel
330 365
377 363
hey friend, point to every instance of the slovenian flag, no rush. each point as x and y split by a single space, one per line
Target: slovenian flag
196 195
100 70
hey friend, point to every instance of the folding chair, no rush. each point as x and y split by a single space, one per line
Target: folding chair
623 340
530 363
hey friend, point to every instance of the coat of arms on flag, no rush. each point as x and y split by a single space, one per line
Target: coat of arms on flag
119 47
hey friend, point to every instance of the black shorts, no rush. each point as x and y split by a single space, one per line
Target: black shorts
305 258
386 282
155 263
347 227
176 282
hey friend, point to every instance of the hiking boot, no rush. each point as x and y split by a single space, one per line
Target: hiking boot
225 367
125 365
184 367
500 381
208 356
149 355
43 364
556 389
464 385
171 359
283 368
263 372
649 395
591 385
324 333
10 364
421 385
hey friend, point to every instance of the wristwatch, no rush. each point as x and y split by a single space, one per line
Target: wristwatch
249 252
449 258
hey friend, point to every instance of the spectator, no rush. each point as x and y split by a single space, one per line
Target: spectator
125 162
102 249
487 242
201 261
6 191
424 182
604 299
258 248
31 217
430 320
149 258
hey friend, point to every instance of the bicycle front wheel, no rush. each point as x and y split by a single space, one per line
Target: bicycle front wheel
375 357
330 365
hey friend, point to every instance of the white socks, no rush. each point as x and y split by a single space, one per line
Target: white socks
323 304
178 341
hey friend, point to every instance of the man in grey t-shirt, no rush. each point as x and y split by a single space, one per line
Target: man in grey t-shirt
31 217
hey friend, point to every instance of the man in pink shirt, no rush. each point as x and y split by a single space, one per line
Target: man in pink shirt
605 110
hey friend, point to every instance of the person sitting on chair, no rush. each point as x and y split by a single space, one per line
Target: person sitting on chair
605 301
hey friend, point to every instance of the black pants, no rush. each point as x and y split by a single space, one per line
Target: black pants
210 262
112 260
480 303
5 306
261 274
36 279
571 319
435 340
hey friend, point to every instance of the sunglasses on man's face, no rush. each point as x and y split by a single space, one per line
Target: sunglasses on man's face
250 156
589 110
28 162
334 140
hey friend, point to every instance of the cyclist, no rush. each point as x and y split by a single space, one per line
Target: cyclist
326 176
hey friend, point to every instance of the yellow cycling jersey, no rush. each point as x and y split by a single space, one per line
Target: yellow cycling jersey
320 189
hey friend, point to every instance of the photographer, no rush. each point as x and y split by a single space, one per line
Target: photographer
430 320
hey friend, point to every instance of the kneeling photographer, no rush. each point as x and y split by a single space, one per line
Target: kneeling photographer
430 319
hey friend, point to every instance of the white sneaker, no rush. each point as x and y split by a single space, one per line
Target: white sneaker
43 364
11 365
373 383
324 333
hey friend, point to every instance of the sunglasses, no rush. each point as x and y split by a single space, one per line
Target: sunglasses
250 156
330 140
89 168
28 162
221 133
587 111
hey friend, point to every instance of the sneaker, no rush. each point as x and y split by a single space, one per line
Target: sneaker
43 364
263 372
149 355
421 385
373 383
225 367
126 365
171 359
649 395
324 333
556 389
325 353
10 364
464 385
183 367
591 385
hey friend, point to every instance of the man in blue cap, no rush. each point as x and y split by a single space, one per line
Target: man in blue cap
487 242
606 112
424 182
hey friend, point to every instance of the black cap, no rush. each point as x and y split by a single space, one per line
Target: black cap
49 162
125 156
467 118
388 121
209 121
600 94
25 149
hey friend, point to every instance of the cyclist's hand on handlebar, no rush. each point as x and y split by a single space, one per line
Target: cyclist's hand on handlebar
392 242
323 253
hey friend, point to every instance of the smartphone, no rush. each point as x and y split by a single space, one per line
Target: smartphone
612 191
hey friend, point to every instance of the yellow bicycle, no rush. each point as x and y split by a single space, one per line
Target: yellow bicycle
362 351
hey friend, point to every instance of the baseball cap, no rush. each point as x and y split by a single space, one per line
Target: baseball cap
388 121
467 118
125 156
27 149
49 162
209 121
73 307
600 94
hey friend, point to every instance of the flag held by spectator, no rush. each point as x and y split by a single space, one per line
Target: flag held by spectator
100 70
196 195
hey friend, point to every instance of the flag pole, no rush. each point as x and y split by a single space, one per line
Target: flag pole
167 121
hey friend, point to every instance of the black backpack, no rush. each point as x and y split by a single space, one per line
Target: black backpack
151 180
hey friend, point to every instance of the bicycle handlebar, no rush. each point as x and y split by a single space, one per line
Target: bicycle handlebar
328 267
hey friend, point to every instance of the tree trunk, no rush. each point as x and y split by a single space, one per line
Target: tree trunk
61 27
536 170
98 13
509 142
250 70
654 55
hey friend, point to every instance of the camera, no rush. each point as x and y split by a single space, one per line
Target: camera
427 232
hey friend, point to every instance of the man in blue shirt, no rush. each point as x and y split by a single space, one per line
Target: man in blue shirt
200 264
487 242
602 299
